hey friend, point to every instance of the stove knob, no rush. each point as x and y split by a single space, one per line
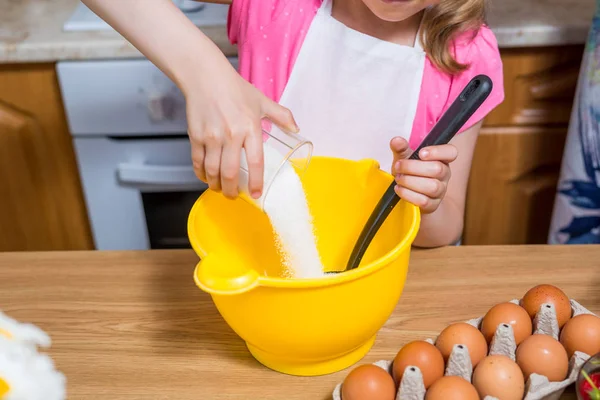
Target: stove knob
161 107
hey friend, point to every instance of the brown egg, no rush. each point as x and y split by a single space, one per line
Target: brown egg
535 297
543 355
500 377
419 354
452 388
465 334
368 382
507 313
581 333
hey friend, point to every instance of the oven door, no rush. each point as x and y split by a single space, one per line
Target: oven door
138 190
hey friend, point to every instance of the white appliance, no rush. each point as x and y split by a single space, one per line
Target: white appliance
129 131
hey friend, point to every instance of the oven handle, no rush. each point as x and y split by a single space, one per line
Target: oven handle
148 175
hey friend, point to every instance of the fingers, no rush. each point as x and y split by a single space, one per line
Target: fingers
426 204
212 160
427 169
230 166
222 126
431 188
424 182
254 154
446 153
217 161
198 161
280 116
400 147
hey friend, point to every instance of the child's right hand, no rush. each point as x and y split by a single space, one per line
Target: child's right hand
224 114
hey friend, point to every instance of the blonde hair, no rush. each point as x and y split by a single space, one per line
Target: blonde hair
442 23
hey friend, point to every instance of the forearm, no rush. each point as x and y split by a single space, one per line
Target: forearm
442 227
163 34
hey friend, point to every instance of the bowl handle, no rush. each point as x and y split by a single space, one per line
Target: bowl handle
225 275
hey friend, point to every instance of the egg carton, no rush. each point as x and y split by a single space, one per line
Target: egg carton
537 387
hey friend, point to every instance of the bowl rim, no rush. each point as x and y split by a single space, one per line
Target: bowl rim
327 280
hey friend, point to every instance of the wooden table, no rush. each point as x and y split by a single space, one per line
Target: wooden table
132 325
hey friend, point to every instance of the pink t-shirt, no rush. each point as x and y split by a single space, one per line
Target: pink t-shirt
274 30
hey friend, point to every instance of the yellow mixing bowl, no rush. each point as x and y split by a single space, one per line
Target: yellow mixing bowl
306 326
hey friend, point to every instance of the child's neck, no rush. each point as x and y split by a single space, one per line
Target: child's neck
356 15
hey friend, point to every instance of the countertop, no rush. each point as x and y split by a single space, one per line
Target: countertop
31 30
132 325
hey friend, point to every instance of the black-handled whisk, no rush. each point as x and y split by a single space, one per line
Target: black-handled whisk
470 99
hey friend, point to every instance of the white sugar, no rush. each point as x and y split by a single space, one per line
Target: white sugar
286 205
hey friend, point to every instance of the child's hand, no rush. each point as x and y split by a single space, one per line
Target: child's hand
224 114
422 182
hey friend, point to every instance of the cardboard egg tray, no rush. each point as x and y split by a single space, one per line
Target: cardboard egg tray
537 387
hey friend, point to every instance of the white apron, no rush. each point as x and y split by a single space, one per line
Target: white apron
351 93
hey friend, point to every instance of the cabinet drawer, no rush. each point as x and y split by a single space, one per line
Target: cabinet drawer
513 185
539 84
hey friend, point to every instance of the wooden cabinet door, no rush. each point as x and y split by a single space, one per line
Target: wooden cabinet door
519 151
513 185
539 86
41 202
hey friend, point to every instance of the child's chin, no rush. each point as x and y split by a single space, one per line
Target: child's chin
394 10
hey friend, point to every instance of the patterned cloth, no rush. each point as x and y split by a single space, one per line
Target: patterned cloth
576 217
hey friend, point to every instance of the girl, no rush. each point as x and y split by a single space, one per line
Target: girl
363 79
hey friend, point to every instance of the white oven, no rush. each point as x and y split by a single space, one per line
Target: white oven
129 131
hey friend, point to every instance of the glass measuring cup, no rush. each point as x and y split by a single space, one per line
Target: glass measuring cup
281 150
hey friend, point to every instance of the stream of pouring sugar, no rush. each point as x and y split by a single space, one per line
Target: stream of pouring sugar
287 209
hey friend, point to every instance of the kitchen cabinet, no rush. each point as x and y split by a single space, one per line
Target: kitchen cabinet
519 151
41 203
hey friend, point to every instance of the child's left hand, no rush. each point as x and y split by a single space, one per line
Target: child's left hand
422 182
